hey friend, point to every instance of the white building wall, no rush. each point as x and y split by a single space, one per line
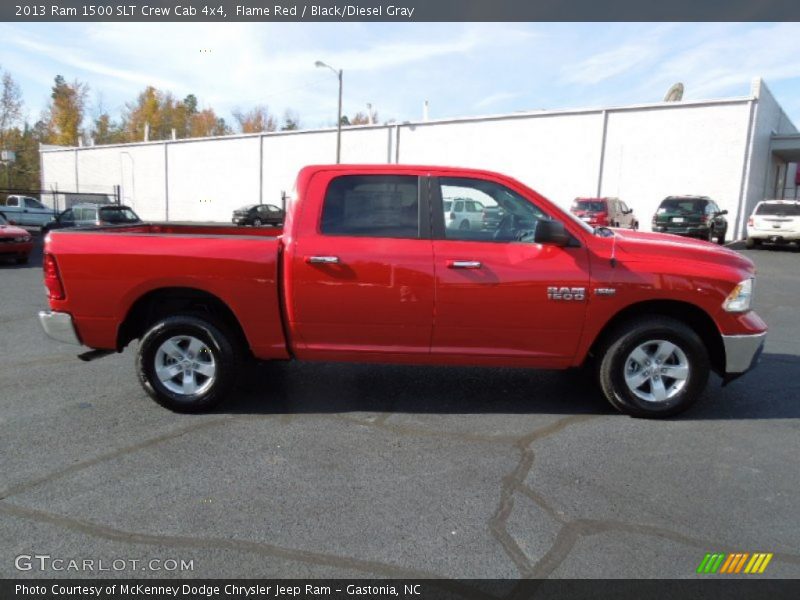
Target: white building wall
209 178
652 154
284 154
769 118
557 155
642 155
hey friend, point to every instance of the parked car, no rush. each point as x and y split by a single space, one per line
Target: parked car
463 213
26 211
15 242
92 215
774 221
258 215
368 271
604 212
491 218
691 216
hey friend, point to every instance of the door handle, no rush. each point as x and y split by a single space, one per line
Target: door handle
463 264
322 260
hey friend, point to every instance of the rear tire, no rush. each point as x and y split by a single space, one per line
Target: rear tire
187 363
256 222
751 243
464 225
653 367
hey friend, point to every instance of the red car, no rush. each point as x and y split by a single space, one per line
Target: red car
604 212
366 270
15 242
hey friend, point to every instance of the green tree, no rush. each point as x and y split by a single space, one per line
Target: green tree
291 121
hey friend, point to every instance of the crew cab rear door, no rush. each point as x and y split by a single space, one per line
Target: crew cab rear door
500 297
360 268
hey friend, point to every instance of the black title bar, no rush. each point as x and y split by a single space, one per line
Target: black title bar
400 10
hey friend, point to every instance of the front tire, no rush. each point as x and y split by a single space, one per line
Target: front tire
653 367
187 363
721 237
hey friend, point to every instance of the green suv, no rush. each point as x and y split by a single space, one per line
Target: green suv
692 216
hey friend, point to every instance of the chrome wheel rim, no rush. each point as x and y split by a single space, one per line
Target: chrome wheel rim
185 365
656 371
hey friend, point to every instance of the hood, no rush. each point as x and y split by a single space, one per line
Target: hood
674 248
12 231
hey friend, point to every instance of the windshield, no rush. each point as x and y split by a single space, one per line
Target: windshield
590 205
682 205
118 215
783 210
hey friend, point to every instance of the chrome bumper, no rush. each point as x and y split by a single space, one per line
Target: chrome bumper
59 326
742 352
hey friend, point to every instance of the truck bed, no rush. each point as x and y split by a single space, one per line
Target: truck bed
107 270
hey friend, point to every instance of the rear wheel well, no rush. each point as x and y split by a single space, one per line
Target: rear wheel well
690 314
165 302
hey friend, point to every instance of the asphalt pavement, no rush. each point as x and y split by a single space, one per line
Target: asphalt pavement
329 470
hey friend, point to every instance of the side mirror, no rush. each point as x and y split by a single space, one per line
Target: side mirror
629 211
722 212
551 232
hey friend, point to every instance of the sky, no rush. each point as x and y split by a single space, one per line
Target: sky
462 69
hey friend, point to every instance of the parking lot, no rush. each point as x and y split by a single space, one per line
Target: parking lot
327 470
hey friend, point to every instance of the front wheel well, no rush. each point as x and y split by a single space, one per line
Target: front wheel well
161 303
690 314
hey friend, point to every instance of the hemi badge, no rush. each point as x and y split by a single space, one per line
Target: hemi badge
605 291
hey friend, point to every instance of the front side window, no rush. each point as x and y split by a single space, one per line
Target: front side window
385 206
507 216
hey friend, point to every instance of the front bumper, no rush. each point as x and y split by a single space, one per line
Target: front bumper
742 353
19 248
59 326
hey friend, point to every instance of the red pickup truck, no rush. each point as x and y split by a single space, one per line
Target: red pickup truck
366 270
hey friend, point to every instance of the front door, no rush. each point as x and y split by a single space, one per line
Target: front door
361 274
500 297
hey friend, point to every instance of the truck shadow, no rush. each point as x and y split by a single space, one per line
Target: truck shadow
769 392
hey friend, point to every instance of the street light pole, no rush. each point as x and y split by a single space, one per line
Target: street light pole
338 74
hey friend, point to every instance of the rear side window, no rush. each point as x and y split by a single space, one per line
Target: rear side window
372 206
12 202
784 210
118 215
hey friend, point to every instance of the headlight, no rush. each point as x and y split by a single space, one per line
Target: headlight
739 299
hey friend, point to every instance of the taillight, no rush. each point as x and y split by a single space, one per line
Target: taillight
750 221
52 278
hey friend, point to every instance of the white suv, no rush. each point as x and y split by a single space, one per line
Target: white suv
775 221
463 213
